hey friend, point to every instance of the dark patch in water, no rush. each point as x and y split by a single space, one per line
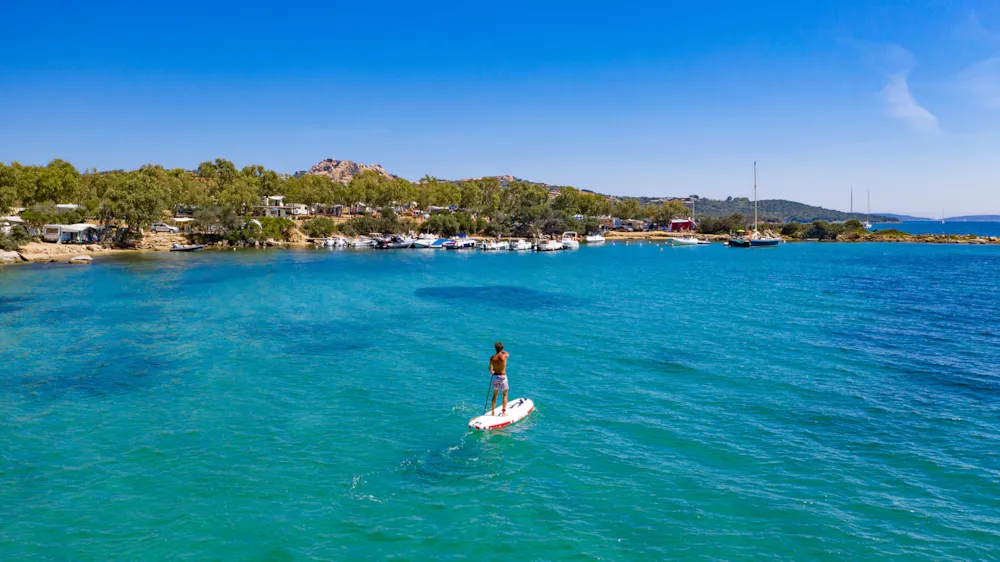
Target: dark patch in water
221 276
12 304
311 338
127 373
503 296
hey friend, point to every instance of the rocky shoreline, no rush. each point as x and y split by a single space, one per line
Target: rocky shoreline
40 252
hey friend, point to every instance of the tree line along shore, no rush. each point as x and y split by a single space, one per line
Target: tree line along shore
226 206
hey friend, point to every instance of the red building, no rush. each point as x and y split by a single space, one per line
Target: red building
681 225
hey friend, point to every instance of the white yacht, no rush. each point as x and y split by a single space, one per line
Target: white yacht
362 242
494 245
426 240
519 245
595 238
394 242
549 245
570 240
460 243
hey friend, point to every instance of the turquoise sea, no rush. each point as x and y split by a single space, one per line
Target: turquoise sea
811 401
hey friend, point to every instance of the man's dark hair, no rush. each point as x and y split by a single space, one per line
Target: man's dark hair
498 346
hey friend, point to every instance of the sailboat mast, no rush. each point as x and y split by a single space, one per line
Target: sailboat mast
852 202
869 221
755 196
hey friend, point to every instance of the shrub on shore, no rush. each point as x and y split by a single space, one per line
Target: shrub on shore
279 229
386 223
889 232
12 241
319 227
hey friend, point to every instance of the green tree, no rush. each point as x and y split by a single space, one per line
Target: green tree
442 224
239 194
134 199
320 227
663 214
59 181
470 195
627 208
8 188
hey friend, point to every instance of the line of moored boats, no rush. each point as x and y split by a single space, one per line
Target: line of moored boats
568 241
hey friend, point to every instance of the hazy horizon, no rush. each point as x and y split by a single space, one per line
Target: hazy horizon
641 100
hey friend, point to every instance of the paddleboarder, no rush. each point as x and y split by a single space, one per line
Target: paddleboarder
498 369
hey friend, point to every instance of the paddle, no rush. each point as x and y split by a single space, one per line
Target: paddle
488 389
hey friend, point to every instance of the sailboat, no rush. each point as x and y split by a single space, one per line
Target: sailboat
868 222
756 240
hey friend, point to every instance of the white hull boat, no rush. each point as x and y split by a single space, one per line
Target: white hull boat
594 239
520 246
395 242
362 242
335 242
428 241
549 246
460 244
495 245
570 240
684 241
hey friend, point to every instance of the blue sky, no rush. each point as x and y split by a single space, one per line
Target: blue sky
624 98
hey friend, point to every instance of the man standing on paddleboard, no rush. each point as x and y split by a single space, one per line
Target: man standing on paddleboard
498 368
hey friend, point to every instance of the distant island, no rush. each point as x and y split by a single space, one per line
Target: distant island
974 218
904 218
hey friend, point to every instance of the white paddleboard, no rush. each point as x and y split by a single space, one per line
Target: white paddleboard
517 410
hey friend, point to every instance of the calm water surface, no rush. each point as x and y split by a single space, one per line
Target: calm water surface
812 401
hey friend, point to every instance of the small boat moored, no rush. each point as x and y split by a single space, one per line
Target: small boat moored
186 247
461 243
519 245
428 241
494 245
549 246
394 242
570 240
683 241
594 238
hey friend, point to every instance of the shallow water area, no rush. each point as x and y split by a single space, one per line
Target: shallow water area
808 401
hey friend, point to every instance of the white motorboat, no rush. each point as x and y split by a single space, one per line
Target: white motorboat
549 246
460 244
494 245
683 241
428 241
362 242
335 242
570 240
395 242
519 245
595 238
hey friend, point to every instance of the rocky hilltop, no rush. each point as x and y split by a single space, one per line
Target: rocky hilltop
342 170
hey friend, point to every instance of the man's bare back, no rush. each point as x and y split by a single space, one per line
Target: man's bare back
498 364
498 368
